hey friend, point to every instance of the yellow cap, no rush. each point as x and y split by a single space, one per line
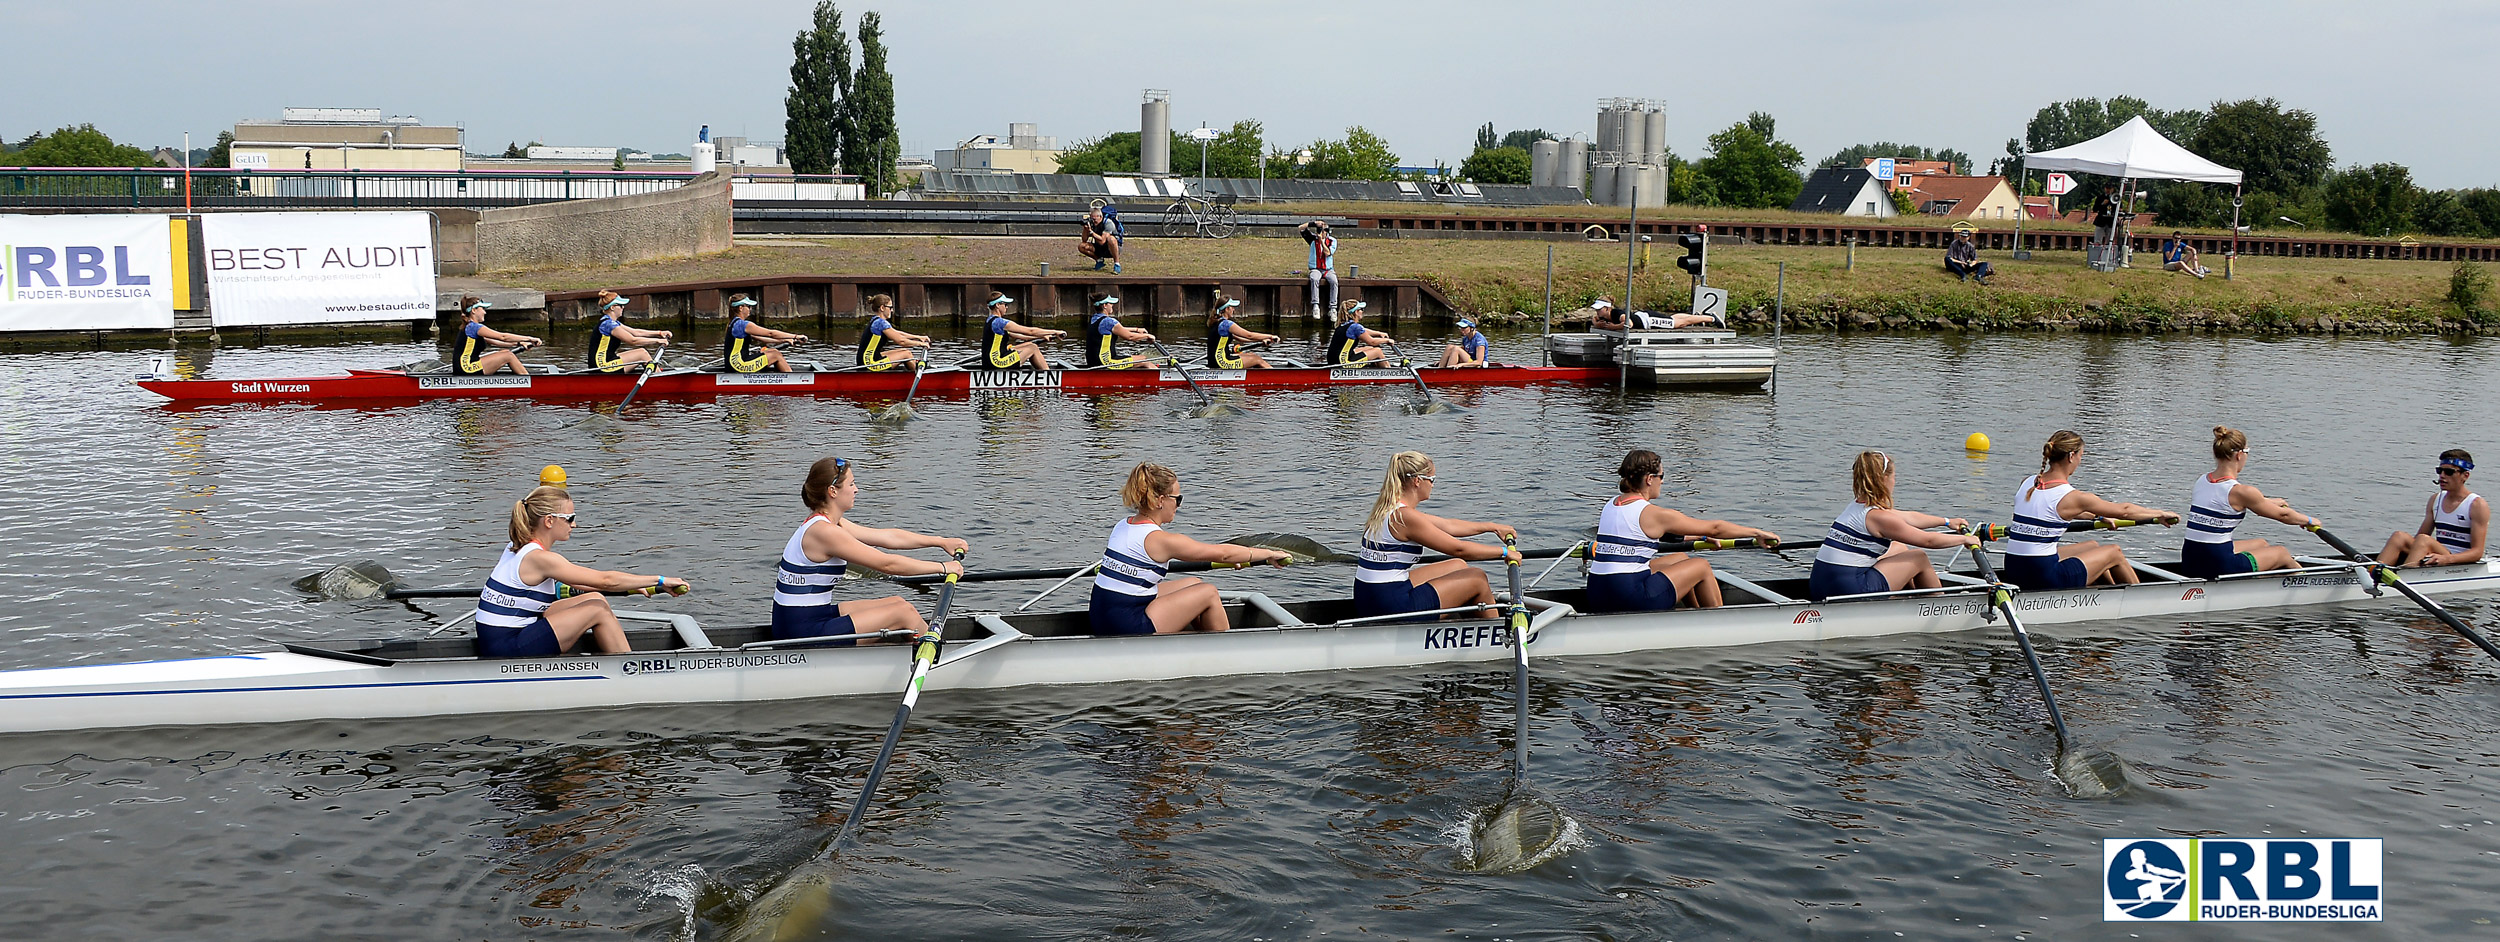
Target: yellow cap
1978 441
551 476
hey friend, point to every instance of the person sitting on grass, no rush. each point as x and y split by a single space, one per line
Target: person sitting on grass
1962 258
2178 255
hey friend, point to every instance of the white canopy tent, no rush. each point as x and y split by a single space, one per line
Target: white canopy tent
2137 152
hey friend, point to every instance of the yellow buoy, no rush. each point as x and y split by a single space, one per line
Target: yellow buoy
1978 441
553 476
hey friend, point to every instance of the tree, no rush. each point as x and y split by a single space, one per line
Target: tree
1486 139
1233 153
221 155
1524 140
1111 153
1362 155
2278 151
815 121
1856 156
1749 166
2484 203
2373 200
514 151
78 146
869 147
1497 165
2444 213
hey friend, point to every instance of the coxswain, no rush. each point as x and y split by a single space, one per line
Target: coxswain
826 544
1387 580
1626 571
1102 332
2453 525
2035 555
519 613
1352 344
1874 546
2215 507
1131 595
484 349
615 347
1224 338
883 346
748 350
1470 350
1012 344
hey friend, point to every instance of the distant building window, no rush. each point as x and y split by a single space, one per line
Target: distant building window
1870 207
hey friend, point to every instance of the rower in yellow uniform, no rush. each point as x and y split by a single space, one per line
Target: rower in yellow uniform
748 348
1012 344
478 354
615 347
1103 329
883 346
1351 343
1224 339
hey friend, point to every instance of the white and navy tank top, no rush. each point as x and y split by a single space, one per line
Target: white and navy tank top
801 582
1621 545
1384 557
2037 525
1851 542
2454 529
507 602
1126 568
2210 517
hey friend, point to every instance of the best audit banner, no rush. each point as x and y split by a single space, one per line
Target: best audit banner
86 273
318 268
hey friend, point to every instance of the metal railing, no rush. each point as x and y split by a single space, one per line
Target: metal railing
174 188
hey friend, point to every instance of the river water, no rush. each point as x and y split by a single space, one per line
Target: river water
1895 787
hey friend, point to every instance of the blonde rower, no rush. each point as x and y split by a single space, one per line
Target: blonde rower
1386 579
1131 595
1876 547
518 613
2215 508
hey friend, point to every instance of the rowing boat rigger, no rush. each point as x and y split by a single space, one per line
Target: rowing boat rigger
674 660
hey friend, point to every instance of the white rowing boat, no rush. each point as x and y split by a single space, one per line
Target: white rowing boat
676 661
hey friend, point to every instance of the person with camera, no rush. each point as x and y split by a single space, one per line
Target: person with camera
1100 240
1323 266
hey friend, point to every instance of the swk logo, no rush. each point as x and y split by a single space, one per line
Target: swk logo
2191 595
1809 617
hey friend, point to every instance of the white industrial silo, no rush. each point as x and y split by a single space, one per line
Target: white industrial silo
1575 164
1602 182
1653 138
1545 163
1154 132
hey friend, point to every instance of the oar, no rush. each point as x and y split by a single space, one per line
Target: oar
1206 405
901 411
2004 600
1432 403
644 378
799 901
2386 575
1522 830
1519 668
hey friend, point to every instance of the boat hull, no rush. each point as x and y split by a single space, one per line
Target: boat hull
288 685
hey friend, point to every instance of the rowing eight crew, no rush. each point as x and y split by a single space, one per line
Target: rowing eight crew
1872 546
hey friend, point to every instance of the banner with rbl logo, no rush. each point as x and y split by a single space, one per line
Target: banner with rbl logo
85 273
2229 879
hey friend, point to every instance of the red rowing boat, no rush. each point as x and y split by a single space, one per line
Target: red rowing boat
942 380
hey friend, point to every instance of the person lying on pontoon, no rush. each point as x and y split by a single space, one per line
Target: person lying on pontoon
1607 318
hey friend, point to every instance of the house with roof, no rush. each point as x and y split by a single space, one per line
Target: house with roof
1905 171
1846 191
1956 197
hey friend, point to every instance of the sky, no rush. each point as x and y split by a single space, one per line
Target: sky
2404 82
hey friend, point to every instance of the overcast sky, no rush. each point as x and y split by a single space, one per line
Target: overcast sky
2406 82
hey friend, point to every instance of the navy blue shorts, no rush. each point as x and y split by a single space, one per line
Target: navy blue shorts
1830 579
1391 598
1645 591
1119 613
2208 560
537 639
811 621
2046 573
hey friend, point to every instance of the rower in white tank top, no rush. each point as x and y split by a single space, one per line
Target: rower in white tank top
2210 516
2453 529
2037 527
507 602
800 582
1851 542
1621 546
1383 557
1126 567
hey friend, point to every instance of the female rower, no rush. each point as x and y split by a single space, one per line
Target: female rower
1224 338
1626 571
2042 505
615 347
1470 350
1351 343
825 544
1131 597
2453 526
518 614
1386 579
1103 329
881 344
2215 508
1876 547
747 350
1012 344
474 358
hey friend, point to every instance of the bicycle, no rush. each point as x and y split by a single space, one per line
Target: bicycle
1207 217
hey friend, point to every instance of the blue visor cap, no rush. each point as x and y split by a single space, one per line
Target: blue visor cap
743 302
994 302
619 302
1463 322
479 306
1114 299
1229 304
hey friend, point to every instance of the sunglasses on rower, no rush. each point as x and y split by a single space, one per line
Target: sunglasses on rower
2445 471
568 518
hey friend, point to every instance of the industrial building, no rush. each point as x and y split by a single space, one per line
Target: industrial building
1022 150
343 139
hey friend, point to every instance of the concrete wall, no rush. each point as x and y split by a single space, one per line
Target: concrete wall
690 220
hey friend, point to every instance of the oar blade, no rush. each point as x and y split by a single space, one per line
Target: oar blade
897 413
362 579
1521 833
2094 773
1303 549
794 908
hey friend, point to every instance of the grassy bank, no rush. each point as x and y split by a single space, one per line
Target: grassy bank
1885 289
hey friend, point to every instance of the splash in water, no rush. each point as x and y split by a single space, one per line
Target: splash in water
1519 834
